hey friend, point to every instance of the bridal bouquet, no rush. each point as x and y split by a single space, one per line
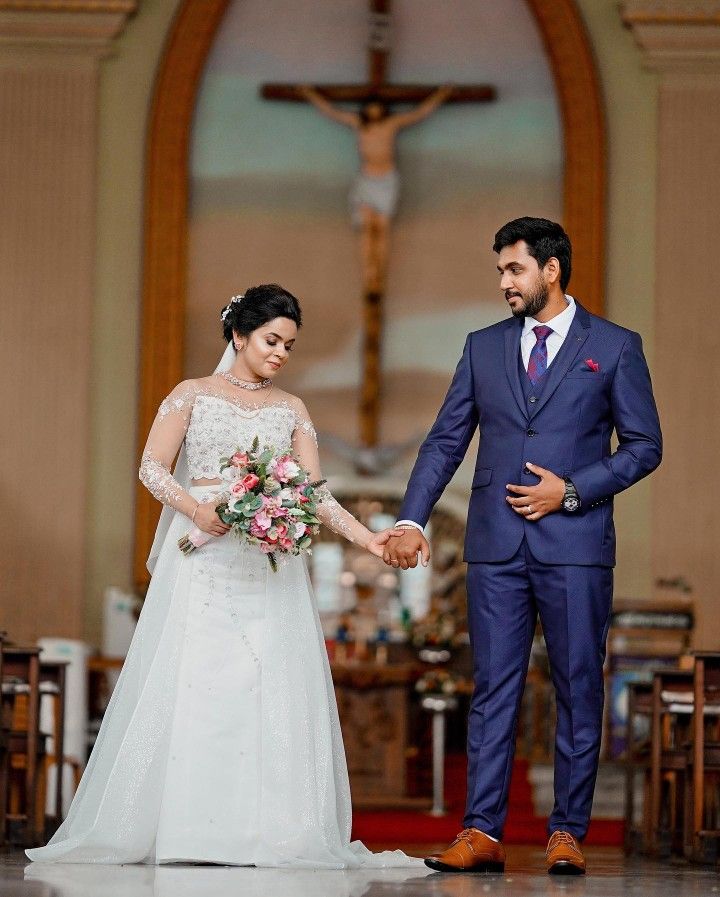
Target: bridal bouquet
269 501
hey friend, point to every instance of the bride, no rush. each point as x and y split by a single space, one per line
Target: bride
221 742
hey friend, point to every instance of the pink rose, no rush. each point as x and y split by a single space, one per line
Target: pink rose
250 481
257 531
263 521
265 548
238 489
286 544
281 529
239 459
279 471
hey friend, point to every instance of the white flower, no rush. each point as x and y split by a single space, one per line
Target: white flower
292 469
286 494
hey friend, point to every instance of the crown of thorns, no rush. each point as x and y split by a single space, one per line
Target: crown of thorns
226 311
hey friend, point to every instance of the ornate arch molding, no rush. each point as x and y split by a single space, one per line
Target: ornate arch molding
166 193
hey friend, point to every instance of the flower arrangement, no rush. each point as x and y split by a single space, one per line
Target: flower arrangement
270 502
437 682
436 630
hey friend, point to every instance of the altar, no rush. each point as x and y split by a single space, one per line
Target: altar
375 703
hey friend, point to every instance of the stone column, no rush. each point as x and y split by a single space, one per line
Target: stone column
50 54
681 42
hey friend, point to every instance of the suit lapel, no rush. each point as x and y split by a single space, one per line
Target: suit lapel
578 333
512 352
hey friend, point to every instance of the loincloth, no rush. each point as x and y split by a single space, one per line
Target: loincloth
378 192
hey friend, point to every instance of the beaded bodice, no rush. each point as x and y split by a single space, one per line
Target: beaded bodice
218 427
213 423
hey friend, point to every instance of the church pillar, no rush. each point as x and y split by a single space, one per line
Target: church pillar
50 56
681 42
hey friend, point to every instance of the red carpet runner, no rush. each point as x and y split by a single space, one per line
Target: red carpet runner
523 826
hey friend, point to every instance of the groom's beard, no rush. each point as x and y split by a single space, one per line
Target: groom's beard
533 303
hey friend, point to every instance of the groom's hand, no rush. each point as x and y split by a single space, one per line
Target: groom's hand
402 551
534 502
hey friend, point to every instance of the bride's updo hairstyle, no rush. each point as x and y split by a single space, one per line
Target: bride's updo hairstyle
257 307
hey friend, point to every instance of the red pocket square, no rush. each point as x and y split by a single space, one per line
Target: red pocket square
593 365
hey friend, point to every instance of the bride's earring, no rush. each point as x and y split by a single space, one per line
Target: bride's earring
238 346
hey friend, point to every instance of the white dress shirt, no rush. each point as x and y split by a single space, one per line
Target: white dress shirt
560 326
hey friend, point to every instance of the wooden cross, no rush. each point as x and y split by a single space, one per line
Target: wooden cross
376 88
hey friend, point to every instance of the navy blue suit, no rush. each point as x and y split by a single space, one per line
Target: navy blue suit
559 566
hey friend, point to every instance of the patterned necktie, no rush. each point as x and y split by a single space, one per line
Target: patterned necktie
537 365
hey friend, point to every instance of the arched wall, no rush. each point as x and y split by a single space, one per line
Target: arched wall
166 196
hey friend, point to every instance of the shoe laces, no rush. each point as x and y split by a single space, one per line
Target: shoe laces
465 835
561 838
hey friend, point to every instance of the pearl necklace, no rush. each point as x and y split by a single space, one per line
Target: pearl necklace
243 384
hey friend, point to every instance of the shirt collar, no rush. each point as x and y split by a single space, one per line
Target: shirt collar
560 324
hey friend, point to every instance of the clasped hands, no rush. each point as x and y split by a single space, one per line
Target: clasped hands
530 502
206 518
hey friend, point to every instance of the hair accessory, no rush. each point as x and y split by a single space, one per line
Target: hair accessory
226 311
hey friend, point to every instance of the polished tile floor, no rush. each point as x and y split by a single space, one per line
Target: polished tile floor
611 875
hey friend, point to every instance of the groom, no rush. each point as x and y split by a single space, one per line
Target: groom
547 388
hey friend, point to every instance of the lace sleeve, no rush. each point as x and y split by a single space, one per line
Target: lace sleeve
330 511
163 443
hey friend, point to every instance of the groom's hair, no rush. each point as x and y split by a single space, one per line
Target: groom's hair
545 240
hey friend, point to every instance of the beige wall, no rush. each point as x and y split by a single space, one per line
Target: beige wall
631 110
126 90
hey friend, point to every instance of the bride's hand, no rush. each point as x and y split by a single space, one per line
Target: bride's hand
207 520
376 544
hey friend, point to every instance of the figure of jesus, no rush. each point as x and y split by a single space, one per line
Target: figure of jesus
374 195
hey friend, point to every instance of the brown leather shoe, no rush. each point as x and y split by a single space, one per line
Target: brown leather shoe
471 851
564 856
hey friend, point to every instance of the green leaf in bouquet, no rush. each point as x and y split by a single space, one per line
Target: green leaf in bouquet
305 542
255 445
298 480
316 484
266 457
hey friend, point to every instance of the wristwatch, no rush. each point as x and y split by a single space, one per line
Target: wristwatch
571 502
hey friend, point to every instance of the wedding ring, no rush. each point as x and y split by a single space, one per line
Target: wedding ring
529 509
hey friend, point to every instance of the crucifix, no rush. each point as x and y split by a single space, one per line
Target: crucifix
374 194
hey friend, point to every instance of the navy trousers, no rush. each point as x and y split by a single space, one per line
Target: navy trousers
574 604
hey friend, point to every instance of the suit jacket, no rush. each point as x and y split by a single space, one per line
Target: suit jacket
567 430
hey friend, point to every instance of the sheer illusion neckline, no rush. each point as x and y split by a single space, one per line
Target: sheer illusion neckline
281 404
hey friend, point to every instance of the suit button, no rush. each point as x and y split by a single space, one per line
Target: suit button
532 432
532 400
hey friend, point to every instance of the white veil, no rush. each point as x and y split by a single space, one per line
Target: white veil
182 475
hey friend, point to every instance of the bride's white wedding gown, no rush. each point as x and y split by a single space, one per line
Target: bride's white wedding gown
221 742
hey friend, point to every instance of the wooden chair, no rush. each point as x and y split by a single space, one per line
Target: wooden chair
5 727
637 757
21 719
670 733
703 785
